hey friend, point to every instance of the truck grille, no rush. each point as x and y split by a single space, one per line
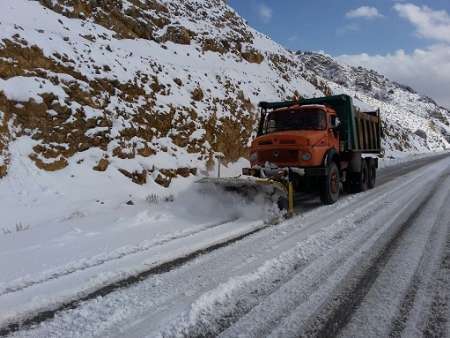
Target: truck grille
278 155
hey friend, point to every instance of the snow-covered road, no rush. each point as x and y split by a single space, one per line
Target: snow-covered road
374 264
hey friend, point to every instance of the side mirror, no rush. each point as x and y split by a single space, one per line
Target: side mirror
335 122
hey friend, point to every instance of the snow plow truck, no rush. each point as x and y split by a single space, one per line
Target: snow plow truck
325 145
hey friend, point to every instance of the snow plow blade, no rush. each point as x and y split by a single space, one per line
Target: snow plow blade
249 186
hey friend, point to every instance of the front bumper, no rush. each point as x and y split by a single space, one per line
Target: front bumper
284 172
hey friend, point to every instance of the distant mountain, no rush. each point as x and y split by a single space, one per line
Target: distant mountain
155 89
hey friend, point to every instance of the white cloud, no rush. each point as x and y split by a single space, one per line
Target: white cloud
364 12
426 70
428 23
264 13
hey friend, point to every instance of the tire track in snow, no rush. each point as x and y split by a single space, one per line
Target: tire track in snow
319 304
391 172
423 281
265 282
391 303
124 283
254 287
242 304
438 322
24 282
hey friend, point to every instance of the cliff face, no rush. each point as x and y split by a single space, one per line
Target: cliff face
154 89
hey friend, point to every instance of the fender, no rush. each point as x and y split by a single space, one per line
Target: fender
330 155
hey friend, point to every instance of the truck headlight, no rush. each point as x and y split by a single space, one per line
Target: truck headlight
306 156
253 157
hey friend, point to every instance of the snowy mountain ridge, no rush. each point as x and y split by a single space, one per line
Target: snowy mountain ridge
154 89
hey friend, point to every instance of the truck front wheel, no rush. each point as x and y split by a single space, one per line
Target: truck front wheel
330 187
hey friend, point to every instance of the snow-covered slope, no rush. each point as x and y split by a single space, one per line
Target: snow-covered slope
154 89
179 91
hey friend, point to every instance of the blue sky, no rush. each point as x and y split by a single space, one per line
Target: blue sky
323 25
407 40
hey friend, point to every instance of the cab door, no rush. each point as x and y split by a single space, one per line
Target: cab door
333 133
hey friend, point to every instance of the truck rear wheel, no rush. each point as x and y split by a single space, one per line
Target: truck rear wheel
362 179
330 189
372 169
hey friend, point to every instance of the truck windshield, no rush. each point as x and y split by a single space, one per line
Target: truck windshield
295 120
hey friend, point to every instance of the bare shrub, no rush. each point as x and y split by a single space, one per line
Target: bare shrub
18 227
152 198
22 227
169 198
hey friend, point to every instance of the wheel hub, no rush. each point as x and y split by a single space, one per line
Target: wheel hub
334 183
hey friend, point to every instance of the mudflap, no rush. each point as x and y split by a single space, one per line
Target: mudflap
248 186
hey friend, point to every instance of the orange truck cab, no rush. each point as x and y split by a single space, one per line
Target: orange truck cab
320 144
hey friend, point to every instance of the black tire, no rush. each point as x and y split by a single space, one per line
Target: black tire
372 177
348 184
362 178
330 185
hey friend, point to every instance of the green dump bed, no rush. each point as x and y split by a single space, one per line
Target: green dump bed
359 131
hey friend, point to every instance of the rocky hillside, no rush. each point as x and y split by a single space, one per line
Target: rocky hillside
155 88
